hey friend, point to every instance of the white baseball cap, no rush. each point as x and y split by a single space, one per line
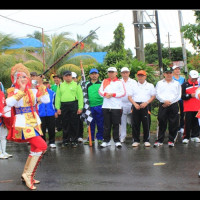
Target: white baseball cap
112 69
74 75
175 66
125 69
194 74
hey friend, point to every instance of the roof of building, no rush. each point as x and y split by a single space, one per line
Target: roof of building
99 56
26 43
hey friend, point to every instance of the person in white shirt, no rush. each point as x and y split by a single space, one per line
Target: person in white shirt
126 104
168 92
141 96
112 90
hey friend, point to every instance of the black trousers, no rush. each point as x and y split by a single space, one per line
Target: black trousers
138 117
48 123
112 119
70 121
181 125
168 116
58 123
191 125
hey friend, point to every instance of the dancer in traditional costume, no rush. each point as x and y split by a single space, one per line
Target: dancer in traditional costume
25 122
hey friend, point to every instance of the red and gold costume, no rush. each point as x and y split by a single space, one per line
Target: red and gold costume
24 122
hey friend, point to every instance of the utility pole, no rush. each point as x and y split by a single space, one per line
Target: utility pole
159 44
138 28
183 44
169 46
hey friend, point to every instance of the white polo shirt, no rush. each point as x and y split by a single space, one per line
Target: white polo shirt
129 84
168 91
142 92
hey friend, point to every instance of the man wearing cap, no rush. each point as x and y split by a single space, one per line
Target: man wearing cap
181 80
69 103
57 81
141 96
126 104
191 105
74 76
47 115
95 101
168 93
112 90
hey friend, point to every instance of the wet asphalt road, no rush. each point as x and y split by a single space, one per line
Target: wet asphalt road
109 169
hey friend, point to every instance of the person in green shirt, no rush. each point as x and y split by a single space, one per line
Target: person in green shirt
95 101
57 81
69 104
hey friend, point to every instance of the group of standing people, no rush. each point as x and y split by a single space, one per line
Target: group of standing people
35 106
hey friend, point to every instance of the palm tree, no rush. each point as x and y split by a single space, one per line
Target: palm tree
89 42
6 41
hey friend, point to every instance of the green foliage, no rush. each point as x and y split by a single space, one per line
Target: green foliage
6 62
118 45
6 41
34 65
151 53
195 62
192 32
113 57
69 67
87 60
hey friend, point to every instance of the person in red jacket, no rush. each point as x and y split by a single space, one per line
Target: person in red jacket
191 105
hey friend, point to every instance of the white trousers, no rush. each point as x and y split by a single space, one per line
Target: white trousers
3 141
126 118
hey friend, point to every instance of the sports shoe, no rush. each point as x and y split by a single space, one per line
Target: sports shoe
135 144
195 139
147 144
3 156
105 144
170 144
118 144
8 155
52 145
157 144
80 140
185 141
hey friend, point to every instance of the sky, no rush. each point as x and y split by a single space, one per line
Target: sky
81 22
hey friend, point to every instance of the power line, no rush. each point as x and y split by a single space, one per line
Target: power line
20 22
56 29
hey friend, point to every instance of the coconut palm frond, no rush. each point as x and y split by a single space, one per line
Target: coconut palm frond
70 67
34 65
87 60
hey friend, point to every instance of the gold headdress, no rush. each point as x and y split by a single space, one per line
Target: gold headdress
18 68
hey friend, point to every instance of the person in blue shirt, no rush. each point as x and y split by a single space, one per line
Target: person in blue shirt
181 80
47 116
